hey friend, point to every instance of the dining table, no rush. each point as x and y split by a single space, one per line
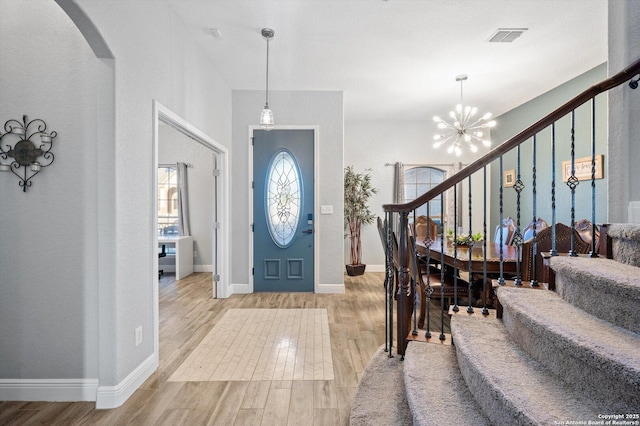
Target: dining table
496 254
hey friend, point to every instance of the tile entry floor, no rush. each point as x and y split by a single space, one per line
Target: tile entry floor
262 344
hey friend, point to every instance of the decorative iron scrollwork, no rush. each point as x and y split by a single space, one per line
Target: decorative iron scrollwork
27 146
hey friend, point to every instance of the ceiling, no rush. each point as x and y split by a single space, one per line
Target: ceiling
398 59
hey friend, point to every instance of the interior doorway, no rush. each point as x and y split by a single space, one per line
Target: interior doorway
215 258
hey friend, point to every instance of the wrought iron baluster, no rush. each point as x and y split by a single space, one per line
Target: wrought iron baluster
455 249
517 238
429 240
414 272
501 278
534 281
554 251
594 253
389 282
485 311
573 182
442 336
470 244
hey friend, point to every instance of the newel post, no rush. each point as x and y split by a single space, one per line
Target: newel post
404 298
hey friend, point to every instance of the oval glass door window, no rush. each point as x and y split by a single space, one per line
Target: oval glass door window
283 198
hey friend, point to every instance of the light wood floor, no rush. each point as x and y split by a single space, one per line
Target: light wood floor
187 314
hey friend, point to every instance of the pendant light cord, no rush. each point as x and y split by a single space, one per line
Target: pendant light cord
267 91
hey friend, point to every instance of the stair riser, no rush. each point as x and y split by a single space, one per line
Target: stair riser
626 251
576 365
499 410
592 296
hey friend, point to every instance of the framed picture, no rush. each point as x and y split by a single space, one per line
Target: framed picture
509 178
583 168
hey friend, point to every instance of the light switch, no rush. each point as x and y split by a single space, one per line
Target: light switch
326 209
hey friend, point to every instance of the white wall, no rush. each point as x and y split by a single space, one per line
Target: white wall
174 147
624 110
324 109
370 145
48 246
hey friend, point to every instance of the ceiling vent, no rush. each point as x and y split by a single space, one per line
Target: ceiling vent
506 35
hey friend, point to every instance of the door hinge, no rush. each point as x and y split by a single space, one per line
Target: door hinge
216 225
216 172
216 278
253 228
252 184
252 140
253 271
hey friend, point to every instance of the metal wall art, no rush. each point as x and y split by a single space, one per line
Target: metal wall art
27 148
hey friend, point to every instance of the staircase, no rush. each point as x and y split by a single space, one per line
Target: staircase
570 356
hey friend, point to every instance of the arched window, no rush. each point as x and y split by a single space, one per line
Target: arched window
417 181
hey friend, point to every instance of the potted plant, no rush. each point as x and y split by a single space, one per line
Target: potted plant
357 191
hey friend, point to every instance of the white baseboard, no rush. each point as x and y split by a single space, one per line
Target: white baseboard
239 289
330 289
374 268
202 268
115 396
48 389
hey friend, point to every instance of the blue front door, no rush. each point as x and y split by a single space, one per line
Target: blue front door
283 208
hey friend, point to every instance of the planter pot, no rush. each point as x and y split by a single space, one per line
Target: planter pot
355 270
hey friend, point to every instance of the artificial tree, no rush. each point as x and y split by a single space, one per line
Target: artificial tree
357 191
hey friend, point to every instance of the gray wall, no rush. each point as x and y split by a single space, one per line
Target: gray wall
624 110
174 147
516 120
324 109
48 247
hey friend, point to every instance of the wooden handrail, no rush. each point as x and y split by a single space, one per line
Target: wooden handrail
508 145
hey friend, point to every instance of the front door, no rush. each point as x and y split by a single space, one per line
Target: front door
283 207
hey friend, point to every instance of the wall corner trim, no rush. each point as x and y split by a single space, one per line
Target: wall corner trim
63 390
115 396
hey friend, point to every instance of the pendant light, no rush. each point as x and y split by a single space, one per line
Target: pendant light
464 130
266 118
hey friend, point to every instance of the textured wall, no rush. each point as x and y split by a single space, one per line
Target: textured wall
624 109
48 250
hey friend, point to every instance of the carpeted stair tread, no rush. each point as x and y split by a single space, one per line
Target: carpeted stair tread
508 384
625 242
436 391
597 356
603 287
380 397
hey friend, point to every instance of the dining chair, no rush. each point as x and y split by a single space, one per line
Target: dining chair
545 241
508 230
584 228
539 225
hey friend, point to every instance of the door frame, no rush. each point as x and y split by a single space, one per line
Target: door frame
221 254
316 204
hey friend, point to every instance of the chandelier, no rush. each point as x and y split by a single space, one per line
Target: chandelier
266 118
465 129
